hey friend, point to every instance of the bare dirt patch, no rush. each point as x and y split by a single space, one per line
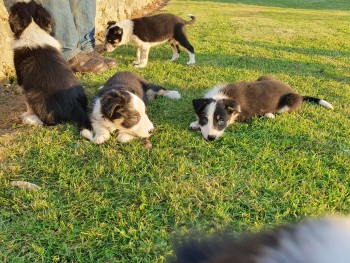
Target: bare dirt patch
11 107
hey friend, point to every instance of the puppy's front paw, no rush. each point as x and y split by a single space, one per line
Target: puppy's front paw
101 138
136 62
195 126
123 137
87 134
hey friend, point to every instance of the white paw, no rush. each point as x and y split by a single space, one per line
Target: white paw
195 126
101 138
31 119
24 114
140 65
123 137
175 57
269 115
136 62
173 94
191 62
87 134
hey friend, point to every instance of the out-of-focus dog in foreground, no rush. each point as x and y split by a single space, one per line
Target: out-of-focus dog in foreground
325 240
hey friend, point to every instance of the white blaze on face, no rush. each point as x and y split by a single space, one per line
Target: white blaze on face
144 126
209 129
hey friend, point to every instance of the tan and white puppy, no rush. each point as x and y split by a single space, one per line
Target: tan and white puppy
228 103
149 31
120 105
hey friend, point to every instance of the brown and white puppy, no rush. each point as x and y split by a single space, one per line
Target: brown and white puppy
120 105
53 93
149 31
225 104
322 240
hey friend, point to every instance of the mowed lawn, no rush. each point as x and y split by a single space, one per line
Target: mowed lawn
122 203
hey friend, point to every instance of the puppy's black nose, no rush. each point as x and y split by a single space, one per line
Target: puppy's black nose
151 131
211 137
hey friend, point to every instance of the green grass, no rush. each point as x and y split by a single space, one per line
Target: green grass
121 203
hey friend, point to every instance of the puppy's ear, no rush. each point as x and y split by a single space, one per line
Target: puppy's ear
110 23
200 104
43 19
19 18
231 106
112 104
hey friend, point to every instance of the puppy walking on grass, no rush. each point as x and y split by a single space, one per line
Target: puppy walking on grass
149 31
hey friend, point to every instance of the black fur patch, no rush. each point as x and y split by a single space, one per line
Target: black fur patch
50 86
114 35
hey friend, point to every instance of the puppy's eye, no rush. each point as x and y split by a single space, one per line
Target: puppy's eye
221 122
136 118
204 120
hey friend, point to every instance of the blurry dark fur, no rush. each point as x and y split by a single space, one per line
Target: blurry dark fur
321 240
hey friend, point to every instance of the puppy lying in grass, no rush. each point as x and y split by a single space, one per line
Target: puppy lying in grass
323 240
228 103
120 105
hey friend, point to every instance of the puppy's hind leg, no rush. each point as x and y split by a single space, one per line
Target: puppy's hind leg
176 50
289 102
181 37
30 118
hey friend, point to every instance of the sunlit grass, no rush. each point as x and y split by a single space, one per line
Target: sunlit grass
122 203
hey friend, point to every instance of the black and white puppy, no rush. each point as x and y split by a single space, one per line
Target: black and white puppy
120 105
322 240
225 104
53 93
149 31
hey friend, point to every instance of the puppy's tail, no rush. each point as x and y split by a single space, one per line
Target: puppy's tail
172 94
318 101
193 19
85 127
155 90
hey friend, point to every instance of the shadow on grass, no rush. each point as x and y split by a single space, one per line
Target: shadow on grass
315 5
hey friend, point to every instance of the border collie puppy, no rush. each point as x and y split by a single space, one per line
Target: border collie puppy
120 105
315 241
53 93
149 31
225 104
